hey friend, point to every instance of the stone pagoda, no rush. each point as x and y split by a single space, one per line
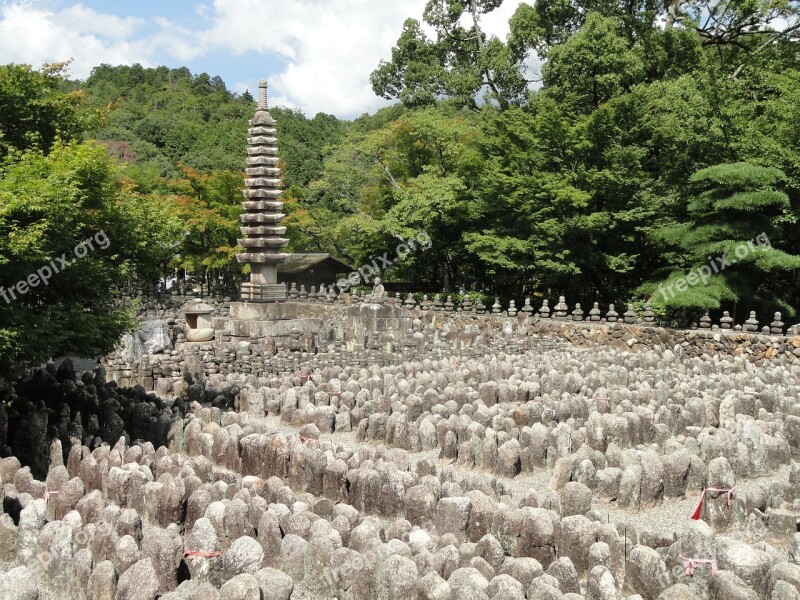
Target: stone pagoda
265 311
263 209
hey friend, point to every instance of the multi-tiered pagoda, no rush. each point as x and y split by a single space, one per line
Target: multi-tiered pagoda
263 209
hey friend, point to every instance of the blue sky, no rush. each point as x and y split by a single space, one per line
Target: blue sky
316 54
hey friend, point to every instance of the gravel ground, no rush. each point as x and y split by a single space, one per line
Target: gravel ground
667 519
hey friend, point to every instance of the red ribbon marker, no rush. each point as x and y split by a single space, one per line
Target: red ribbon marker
690 564
193 554
47 496
699 509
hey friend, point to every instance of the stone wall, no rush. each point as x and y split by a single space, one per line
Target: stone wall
405 331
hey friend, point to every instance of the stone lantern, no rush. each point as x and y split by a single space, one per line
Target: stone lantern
199 327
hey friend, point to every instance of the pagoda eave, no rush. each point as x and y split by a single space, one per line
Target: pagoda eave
262 259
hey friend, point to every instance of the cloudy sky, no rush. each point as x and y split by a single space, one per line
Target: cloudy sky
317 54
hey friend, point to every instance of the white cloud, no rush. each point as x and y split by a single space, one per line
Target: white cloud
496 22
202 11
329 47
332 46
36 34
85 20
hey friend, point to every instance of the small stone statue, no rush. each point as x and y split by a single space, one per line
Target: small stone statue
630 315
776 327
594 314
512 308
577 314
751 325
611 315
426 303
544 311
561 308
649 316
527 309
378 292
496 308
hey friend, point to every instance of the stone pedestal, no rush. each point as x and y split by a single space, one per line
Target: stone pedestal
256 320
269 292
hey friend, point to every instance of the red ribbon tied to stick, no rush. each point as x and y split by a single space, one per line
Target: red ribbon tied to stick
699 509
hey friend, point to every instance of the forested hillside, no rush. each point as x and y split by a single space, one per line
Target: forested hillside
576 176
181 139
604 151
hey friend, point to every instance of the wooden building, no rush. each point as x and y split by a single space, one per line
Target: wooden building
312 269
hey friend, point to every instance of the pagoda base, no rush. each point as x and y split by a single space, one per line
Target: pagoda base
250 321
268 292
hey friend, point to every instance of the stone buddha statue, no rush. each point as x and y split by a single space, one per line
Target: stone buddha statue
378 293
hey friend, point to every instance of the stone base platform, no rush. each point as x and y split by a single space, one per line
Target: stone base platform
268 292
253 320
378 318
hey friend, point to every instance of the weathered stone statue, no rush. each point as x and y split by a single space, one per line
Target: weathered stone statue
378 292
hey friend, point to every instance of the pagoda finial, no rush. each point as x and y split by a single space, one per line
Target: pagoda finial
262 95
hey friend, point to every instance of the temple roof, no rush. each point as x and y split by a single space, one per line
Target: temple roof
300 262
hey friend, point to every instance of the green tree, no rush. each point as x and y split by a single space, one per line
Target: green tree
49 207
591 66
460 63
741 28
208 206
33 110
725 250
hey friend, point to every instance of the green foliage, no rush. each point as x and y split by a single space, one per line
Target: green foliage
581 187
592 66
48 206
303 143
33 110
207 207
738 175
728 241
459 63
167 118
